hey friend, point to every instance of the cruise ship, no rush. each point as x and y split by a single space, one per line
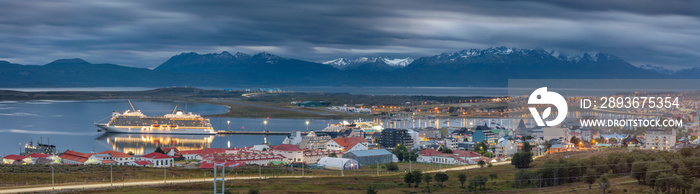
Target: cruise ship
368 127
177 122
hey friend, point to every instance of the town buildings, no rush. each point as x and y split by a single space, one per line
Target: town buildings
313 142
659 139
390 138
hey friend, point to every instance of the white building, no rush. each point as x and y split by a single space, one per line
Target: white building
506 148
113 157
291 153
294 139
457 157
338 163
659 139
158 159
415 136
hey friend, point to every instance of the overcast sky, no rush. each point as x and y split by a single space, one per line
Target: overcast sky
146 33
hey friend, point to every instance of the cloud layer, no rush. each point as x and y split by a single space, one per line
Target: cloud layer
146 33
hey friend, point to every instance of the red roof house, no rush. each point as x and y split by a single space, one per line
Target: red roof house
288 148
37 155
15 159
116 154
156 155
72 157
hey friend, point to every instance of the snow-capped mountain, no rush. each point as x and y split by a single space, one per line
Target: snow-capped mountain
656 68
370 63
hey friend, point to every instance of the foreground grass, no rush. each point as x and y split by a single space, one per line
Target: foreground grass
393 182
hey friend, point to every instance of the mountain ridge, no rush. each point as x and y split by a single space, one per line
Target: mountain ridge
467 67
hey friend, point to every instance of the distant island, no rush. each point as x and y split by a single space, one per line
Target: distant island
472 67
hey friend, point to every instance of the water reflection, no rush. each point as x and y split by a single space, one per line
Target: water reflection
140 144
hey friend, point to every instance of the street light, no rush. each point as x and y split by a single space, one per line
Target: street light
307 125
228 124
265 123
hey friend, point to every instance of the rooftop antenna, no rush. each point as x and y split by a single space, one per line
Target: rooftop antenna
175 109
132 106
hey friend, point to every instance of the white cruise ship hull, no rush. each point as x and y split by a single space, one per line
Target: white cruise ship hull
150 130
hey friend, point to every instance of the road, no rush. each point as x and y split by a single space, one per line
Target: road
465 167
129 184
184 181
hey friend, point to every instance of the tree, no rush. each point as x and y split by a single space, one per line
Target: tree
481 148
391 166
412 156
604 182
417 177
447 151
591 176
639 171
462 178
521 159
158 150
695 188
481 163
493 176
253 191
400 152
482 180
526 147
427 179
523 177
371 189
441 178
408 179
130 153
333 155
574 141
547 146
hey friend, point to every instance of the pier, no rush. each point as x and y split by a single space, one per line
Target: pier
224 132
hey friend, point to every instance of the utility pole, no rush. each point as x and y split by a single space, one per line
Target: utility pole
110 176
377 168
302 170
217 179
260 171
53 185
165 176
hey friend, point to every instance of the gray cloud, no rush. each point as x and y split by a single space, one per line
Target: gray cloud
146 33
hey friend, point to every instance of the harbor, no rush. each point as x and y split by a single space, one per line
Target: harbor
223 132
